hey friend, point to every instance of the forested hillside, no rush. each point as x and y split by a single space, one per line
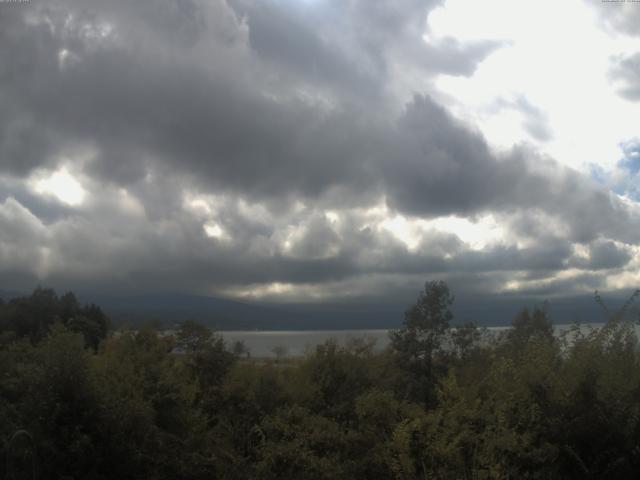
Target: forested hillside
440 402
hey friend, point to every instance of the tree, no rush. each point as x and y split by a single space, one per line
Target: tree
422 335
91 322
60 407
193 337
529 326
301 445
280 351
208 360
338 375
425 322
33 317
465 339
239 349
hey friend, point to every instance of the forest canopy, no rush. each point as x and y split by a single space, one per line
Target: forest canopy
78 400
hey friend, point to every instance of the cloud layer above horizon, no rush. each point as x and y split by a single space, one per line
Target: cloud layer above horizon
312 150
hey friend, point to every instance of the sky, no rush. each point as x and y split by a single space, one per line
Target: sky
320 150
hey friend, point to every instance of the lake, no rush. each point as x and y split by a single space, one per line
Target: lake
297 342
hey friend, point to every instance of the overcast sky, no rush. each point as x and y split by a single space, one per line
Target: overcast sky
310 150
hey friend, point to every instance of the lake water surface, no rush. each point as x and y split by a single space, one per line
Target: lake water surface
297 342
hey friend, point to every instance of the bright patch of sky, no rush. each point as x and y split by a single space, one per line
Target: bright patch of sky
214 230
557 58
61 185
477 234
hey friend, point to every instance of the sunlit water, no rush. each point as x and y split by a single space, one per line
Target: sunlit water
298 342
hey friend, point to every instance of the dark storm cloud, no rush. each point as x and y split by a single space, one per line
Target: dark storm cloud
290 40
265 106
606 254
132 103
550 256
439 167
135 108
25 142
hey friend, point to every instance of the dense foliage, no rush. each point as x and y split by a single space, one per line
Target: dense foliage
440 402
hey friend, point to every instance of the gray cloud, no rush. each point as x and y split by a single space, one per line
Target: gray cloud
584 282
618 16
535 121
625 72
185 115
603 254
439 167
352 44
394 31
289 39
279 112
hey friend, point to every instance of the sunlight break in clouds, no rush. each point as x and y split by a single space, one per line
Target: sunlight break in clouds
61 185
